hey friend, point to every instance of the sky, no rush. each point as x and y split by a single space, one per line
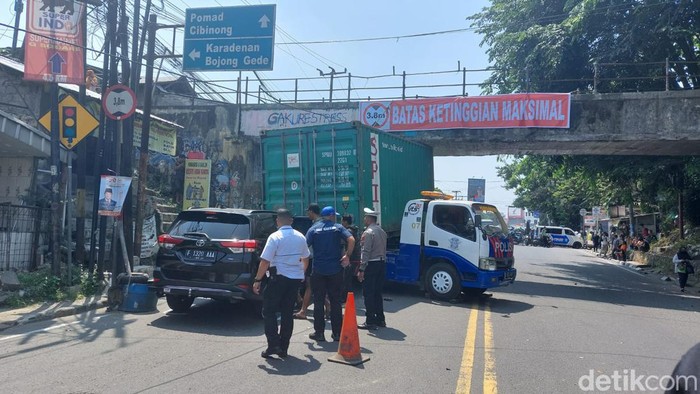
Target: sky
322 20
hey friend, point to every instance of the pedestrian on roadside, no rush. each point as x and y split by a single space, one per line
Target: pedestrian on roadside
596 242
682 266
372 271
313 212
604 245
285 256
326 239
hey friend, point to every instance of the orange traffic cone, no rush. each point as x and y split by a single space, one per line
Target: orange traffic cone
349 348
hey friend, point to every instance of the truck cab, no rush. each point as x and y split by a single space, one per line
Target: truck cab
452 246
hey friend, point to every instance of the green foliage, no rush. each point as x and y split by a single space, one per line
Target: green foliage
89 285
559 186
552 45
41 285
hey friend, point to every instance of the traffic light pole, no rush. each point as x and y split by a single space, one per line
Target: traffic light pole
55 184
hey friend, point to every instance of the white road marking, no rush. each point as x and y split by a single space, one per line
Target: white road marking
45 329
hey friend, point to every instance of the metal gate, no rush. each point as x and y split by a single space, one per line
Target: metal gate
24 236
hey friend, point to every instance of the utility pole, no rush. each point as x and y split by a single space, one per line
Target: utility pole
146 131
19 6
55 183
333 73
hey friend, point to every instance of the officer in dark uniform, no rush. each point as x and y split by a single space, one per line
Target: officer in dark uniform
326 239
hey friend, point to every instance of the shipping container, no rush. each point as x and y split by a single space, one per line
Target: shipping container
349 166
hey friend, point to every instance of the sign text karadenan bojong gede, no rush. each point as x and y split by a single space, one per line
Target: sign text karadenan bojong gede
229 38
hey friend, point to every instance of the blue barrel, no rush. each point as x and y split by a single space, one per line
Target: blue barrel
139 298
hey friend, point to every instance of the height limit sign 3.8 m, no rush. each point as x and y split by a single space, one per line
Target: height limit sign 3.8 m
229 38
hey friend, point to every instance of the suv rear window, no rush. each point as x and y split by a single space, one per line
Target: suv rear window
217 225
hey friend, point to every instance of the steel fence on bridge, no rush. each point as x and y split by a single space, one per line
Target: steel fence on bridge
24 234
346 87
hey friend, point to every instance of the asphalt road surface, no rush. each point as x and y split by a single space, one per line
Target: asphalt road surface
570 322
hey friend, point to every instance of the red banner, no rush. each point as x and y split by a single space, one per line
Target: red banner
53 45
547 110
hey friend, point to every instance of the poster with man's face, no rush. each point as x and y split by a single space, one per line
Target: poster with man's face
113 191
476 190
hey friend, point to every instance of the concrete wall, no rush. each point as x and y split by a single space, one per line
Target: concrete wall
213 129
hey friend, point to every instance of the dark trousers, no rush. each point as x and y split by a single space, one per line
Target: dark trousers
279 297
682 279
331 285
372 288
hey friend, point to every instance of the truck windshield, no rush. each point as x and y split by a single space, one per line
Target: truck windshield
492 222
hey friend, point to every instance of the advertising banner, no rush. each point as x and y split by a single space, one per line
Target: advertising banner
547 110
255 121
515 213
53 46
113 191
162 137
476 189
197 184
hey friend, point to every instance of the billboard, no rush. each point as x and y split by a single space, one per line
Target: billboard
53 49
521 110
476 189
197 183
515 213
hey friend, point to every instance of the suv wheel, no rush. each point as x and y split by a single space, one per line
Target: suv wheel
577 245
179 304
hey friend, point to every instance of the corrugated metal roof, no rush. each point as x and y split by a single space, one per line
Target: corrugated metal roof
18 139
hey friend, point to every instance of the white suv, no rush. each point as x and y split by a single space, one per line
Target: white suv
562 236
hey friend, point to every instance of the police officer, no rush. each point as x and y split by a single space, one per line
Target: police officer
372 271
286 255
326 239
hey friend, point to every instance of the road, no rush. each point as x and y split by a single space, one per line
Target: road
568 314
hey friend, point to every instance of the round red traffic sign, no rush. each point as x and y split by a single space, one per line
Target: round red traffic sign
119 102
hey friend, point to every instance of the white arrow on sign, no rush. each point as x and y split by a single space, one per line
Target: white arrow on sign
264 21
194 55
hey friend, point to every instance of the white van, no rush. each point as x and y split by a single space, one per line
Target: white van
562 236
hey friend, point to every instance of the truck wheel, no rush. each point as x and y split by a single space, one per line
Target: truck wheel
442 281
179 304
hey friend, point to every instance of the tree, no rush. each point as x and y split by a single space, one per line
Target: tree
553 45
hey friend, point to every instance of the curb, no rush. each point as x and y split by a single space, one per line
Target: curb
52 314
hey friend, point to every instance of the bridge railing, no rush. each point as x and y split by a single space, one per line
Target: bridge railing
346 87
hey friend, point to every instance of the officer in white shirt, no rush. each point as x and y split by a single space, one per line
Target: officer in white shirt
286 255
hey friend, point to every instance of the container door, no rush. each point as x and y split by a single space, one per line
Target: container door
335 170
284 175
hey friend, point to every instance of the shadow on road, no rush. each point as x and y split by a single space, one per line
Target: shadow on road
291 366
213 318
609 295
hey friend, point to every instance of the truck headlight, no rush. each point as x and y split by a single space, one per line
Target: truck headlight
487 263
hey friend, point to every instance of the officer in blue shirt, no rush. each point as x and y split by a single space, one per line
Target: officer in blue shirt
326 238
286 256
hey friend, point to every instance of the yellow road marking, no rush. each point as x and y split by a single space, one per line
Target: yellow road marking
464 383
490 385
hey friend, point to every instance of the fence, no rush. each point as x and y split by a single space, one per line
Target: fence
346 87
24 235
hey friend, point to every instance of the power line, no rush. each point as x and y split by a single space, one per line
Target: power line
433 33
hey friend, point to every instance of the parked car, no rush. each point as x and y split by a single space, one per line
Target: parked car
561 236
211 253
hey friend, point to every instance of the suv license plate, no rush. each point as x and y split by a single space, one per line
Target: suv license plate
200 255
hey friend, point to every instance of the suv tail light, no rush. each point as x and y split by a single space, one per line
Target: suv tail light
242 246
167 241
